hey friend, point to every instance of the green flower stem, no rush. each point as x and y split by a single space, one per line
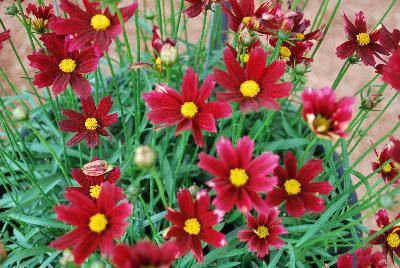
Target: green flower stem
320 9
386 13
152 227
341 74
200 42
159 18
172 15
368 84
26 25
160 187
181 6
267 123
211 31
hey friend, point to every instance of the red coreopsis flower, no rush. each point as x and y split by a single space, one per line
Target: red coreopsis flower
238 177
253 85
145 254
295 187
97 223
263 232
197 6
193 223
39 16
365 44
157 43
59 67
389 170
395 152
4 36
364 259
391 71
245 52
91 25
293 52
389 240
326 117
90 185
244 15
389 40
89 124
189 110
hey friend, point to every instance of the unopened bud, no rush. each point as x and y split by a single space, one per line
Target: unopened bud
370 102
145 157
12 10
168 54
67 257
246 37
386 201
96 168
3 253
194 189
149 14
300 69
21 114
96 264
133 190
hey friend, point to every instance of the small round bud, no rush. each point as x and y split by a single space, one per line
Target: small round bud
20 114
3 253
145 157
133 190
370 102
96 264
354 59
67 257
286 77
300 69
194 189
246 37
168 54
12 10
149 14
386 201
282 35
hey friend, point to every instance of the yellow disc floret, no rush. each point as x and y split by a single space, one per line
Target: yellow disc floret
238 177
261 231
285 52
98 223
393 240
292 186
189 109
244 58
387 168
363 39
94 191
246 20
100 22
322 124
300 36
192 226
67 65
91 123
249 88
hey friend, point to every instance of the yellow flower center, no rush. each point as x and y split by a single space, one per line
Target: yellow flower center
91 123
100 22
261 231
67 65
98 223
285 52
189 109
246 20
249 88
322 124
292 186
300 36
363 39
244 58
192 226
387 168
238 177
94 191
393 240
38 24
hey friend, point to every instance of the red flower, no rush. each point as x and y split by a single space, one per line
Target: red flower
157 43
197 6
40 16
263 231
364 259
188 110
327 117
4 36
390 41
245 52
389 170
244 15
295 187
89 124
90 185
238 177
391 71
91 25
389 240
60 67
97 223
254 85
194 223
360 41
395 152
293 52
145 254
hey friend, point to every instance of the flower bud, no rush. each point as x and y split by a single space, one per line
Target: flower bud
168 54
246 37
300 69
3 253
386 201
12 10
145 157
96 264
96 168
194 189
67 257
21 114
370 102
149 14
133 190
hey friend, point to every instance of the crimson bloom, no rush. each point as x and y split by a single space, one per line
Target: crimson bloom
90 185
244 52
91 25
389 170
326 117
360 41
197 6
391 71
238 177
59 67
395 152
189 110
4 36
194 223
145 254
295 187
253 85
157 43
97 223
364 259
389 40
389 240
293 52
89 124
39 16
263 231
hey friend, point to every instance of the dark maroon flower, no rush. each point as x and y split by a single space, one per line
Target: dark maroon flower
293 52
389 40
197 6
39 16
89 124
391 71
395 152
365 44
389 170
4 36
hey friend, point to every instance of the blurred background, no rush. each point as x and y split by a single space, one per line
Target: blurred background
324 68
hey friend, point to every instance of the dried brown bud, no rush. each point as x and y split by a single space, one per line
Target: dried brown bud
370 102
96 168
3 253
